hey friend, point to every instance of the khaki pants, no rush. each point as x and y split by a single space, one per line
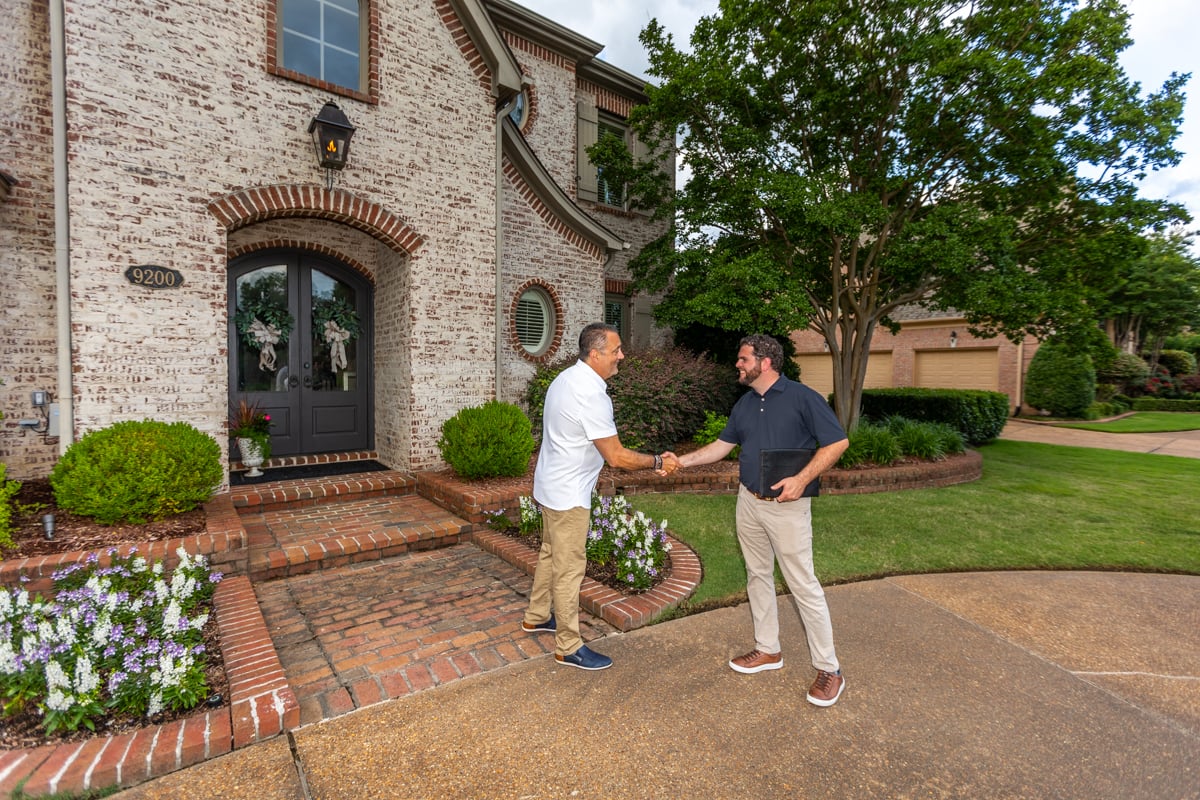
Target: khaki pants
768 532
561 564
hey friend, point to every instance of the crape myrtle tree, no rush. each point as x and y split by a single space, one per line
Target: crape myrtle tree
848 158
1156 297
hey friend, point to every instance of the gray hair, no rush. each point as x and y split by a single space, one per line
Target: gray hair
594 337
764 347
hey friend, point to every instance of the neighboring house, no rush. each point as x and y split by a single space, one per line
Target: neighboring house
170 246
933 350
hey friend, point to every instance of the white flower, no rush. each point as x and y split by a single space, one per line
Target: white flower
102 631
8 658
58 700
56 676
86 678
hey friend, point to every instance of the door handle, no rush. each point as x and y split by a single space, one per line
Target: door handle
293 382
308 381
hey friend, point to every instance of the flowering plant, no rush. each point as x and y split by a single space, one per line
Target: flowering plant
629 540
126 638
249 422
626 541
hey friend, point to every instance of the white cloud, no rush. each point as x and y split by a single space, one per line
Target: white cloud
1163 32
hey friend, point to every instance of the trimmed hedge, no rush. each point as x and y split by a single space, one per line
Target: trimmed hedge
978 415
1154 404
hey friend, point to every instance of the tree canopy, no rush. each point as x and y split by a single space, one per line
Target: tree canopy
848 158
1158 296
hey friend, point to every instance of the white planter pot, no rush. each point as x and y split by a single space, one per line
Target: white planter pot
251 456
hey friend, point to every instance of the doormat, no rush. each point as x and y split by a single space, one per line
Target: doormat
326 470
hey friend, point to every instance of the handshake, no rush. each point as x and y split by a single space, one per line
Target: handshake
670 463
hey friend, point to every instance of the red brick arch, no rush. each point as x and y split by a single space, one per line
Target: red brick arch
249 206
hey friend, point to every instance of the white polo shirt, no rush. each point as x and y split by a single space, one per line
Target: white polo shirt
578 411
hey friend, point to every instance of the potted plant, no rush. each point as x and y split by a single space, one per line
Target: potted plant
252 430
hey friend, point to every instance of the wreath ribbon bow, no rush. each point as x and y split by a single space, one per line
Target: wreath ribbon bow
267 336
337 337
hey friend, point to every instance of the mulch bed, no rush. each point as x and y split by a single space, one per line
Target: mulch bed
73 533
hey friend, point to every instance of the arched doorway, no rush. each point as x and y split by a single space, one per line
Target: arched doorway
300 346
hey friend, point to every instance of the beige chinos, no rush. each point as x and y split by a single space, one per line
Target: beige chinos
562 562
768 531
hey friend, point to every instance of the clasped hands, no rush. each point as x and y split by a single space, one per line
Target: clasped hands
670 463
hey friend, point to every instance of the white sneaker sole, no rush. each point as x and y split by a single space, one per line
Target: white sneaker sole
816 701
760 668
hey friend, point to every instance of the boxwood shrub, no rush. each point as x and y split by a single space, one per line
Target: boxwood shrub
137 472
488 441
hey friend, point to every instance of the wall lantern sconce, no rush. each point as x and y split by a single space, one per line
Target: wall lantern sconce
953 339
331 132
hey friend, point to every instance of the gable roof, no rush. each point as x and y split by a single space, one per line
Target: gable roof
506 73
536 176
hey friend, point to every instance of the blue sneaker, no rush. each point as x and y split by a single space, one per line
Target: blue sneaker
548 625
585 659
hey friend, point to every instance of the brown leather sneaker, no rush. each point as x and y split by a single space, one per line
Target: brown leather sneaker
756 661
827 688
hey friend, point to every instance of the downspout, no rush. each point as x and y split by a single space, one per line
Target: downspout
501 113
62 226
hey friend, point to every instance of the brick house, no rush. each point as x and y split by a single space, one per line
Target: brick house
932 350
170 244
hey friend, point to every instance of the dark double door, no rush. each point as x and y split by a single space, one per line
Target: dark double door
300 347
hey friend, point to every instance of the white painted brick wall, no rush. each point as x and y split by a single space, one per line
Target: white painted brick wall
171 108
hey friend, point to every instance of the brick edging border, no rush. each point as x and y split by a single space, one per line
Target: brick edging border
623 612
261 705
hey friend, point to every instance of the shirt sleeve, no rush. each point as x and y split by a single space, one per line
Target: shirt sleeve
596 417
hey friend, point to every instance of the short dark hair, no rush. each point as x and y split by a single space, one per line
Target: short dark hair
593 337
764 347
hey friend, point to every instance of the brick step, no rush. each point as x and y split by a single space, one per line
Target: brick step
293 538
271 495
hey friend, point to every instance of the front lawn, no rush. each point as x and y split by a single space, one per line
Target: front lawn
1037 506
1143 422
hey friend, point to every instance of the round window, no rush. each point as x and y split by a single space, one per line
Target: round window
535 321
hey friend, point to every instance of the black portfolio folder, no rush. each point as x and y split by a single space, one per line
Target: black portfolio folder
775 465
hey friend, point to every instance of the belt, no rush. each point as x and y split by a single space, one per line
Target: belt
758 496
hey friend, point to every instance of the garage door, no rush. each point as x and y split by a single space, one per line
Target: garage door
974 368
817 371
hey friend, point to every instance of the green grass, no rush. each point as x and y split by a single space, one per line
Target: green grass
1144 422
1037 506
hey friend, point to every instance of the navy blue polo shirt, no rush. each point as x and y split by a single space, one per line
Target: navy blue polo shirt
789 415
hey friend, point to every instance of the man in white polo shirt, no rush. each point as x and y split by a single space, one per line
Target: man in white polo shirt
578 437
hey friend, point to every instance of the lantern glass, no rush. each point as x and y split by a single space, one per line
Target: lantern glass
331 132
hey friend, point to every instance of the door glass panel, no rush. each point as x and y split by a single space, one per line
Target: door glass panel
335 334
264 327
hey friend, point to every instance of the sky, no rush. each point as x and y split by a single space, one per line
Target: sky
1163 33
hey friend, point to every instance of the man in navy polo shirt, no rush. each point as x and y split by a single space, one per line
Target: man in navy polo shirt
780 422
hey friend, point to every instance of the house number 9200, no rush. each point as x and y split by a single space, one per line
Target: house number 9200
154 277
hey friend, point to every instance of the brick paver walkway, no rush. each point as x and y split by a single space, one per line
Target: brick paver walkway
357 635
